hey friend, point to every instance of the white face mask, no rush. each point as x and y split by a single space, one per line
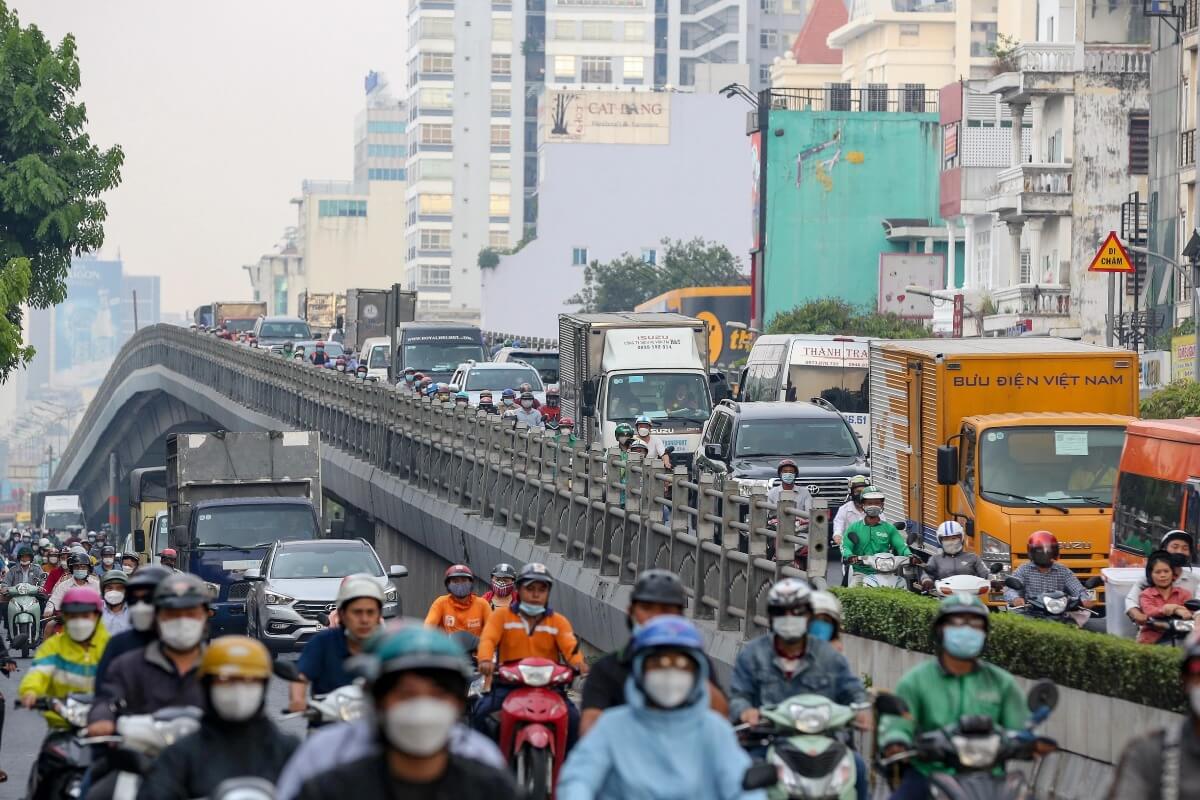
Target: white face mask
80 629
669 688
421 726
643 431
790 629
181 634
114 597
128 569
51 559
141 616
237 702
108 562
952 546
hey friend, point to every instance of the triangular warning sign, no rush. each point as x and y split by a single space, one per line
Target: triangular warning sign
1112 256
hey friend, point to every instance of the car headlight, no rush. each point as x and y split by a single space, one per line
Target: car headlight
274 598
389 594
810 719
976 752
1055 605
994 549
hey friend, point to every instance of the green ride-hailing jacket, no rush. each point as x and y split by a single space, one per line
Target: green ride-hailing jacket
872 539
936 699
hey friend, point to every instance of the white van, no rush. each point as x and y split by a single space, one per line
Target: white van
377 355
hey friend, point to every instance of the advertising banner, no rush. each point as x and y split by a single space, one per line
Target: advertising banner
608 117
1183 355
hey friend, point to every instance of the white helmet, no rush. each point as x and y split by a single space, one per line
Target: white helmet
43 542
787 594
356 586
948 530
826 603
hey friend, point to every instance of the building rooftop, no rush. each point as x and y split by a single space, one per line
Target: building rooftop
810 46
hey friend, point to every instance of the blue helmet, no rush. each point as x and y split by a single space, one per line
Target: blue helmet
642 420
431 390
668 631
508 393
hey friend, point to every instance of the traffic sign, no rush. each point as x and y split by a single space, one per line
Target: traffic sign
1112 257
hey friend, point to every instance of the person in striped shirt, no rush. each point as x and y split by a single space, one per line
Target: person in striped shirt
66 662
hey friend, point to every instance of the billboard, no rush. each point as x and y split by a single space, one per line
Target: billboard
608 117
87 325
898 271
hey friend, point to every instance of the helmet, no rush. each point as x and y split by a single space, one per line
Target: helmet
43 542
504 570
508 393
961 603
552 390
526 395
787 462
787 594
181 590
461 395
320 344
457 571
639 446
859 481
81 600
108 550
148 577
824 602
624 429
668 631
168 552
236 657
114 576
24 550
357 586
872 493
534 572
51 550
949 528
79 560
642 420
1043 548
485 393
568 421
659 586
417 647
1177 535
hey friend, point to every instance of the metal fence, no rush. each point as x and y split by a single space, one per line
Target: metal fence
617 517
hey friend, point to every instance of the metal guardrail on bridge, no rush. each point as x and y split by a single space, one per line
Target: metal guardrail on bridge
582 503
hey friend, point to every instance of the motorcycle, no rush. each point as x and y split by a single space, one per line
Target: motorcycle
1056 606
469 642
976 749
805 737
138 741
890 571
533 722
24 615
64 756
1175 630
343 704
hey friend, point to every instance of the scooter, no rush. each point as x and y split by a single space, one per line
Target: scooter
1055 606
805 737
533 722
1175 630
24 615
64 756
890 571
343 704
138 741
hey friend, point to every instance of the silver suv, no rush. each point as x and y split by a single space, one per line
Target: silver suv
296 588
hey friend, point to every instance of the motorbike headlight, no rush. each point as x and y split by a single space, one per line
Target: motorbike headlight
995 550
349 708
536 676
1055 605
274 598
74 712
810 719
976 752
885 563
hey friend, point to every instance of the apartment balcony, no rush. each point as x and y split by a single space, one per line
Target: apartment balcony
1190 24
914 99
1032 190
1030 308
1037 69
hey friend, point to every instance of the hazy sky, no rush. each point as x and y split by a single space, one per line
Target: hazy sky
222 108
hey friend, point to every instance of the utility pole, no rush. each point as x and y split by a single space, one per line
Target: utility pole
135 318
1191 252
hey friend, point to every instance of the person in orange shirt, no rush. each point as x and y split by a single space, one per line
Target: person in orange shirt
527 629
460 609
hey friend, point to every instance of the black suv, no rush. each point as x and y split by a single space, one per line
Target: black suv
744 443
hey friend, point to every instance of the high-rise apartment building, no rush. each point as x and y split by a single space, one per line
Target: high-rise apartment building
700 35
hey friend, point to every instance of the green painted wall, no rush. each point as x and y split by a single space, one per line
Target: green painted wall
825 228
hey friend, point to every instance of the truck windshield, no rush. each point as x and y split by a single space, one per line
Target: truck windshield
324 561
239 325
1056 466
844 387
793 437
284 330
500 379
250 526
442 355
59 520
659 395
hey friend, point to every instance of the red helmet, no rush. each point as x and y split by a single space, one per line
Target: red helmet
168 552
566 421
82 600
458 571
1043 548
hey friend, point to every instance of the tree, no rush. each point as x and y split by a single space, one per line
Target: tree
624 282
1176 400
831 315
51 177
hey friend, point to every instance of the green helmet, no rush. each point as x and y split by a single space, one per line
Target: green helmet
417 647
872 493
860 480
961 603
624 429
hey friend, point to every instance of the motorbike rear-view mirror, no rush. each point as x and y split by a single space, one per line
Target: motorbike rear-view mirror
286 670
890 704
1093 582
1014 583
759 775
901 525
19 643
362 666
1043 694
469 642
323 618
1192 605
912 538
996 568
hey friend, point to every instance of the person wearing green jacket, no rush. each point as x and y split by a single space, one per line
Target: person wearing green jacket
954 684
871 535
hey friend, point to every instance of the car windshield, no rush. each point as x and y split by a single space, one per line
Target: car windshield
255 525
379 357
501 379
1050 465
795 438
846 388
441 355
327 561
284 330
660 396
239 325
545 363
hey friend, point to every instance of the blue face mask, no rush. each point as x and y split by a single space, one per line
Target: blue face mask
408 378
821 629
531 610
962 641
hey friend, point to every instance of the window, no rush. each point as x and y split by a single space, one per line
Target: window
498 205
1146 509
501 64
579 256
1067 466
437 63
768 38
769 6
385 150
597 31
564 29
385 126
435 203
635 68
436 98
1139 143
501 101
436 134
388 174
501 29
597 69
437 28
910 34
435 239
434 275
342 208
564 68
501 171
764 74
983 38
983 259
433 169
967 467
501 136
649 255
498 239
1025 267
635 31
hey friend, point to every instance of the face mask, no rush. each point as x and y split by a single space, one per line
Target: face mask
52 559
821 629
80 629
181 634
873 511
340 367
508 401
80 574
501 589
408 378
526 404
643 431
790 629
26 563
788 478
236 702
1179 560
114 598
108 562
419 727
127 569
460 590
460 403
669 688
141 616
952 546
962 641
531 610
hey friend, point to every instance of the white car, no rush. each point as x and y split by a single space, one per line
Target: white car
475 376
376 353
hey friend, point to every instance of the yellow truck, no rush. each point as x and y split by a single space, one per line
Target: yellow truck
147 500
1008 436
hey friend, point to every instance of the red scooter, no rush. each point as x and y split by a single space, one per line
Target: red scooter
533 723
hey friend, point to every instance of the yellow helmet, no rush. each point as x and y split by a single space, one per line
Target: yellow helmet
236 657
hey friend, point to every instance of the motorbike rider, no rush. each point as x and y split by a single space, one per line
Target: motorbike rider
1163 597
528 414
551 409
81 577
508 400
462 400
54 567
485 403
851 511
24 571
528 628
657 593
951 560
129 562
112 590
108 560
66 662
654 445
786 662
235 738
139 599
787 472
460 609
665 730
954 684
419 695
826 623
501 591
322 663
406 380
319 356
870 536
1180 546
1042 573
169 559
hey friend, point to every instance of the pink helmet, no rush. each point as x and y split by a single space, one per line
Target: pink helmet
82 600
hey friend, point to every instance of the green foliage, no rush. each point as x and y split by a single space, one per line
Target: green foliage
51 177
1163 340
488 258
832 315
1090 662
623 283
1175 400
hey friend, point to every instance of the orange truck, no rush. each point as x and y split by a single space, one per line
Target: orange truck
1158 487
1008 436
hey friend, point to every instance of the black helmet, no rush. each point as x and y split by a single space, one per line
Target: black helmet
147 577
504 570
108 550
24 550
659 586
78 560
181 590
534 572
